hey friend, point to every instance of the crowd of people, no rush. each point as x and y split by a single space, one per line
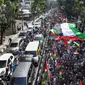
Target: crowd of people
66 63
65 60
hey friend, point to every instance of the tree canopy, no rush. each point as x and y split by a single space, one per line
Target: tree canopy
38 6
8 11
73 7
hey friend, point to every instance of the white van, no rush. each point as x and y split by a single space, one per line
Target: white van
32 48
6 63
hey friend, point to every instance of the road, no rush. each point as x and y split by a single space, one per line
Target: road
43 53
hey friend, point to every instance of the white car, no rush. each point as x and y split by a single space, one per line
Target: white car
16 45
30 27
6 63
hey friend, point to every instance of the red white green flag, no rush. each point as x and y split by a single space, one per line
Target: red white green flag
69 29
53 31
46 70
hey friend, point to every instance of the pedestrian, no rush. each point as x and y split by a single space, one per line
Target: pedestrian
10 40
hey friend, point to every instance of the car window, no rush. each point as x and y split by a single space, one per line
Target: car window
30 28
38 38
13 44
2 64
22 34
26 59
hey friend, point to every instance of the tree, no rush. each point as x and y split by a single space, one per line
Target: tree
3 24
1 2
8 11
75 9
11 13
72 7
38 6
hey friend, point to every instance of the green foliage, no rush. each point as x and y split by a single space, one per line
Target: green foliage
8 11
38 6
1 2
73 7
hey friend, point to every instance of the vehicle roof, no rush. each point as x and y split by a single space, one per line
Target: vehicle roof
17 40
5 56
29 30
22 69
32 46
30 25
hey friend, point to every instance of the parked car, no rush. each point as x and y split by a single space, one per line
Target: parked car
6 63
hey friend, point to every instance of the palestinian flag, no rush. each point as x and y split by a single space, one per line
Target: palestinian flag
53 31
58 65
38 50
60 75
80 82
67 38
69 29
45 70
54 54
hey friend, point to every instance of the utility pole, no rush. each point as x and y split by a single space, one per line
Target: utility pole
22 18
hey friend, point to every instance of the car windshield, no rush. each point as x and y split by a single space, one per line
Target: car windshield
30 28
26 59
13 44
38 38
21 34
2 64
27 2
